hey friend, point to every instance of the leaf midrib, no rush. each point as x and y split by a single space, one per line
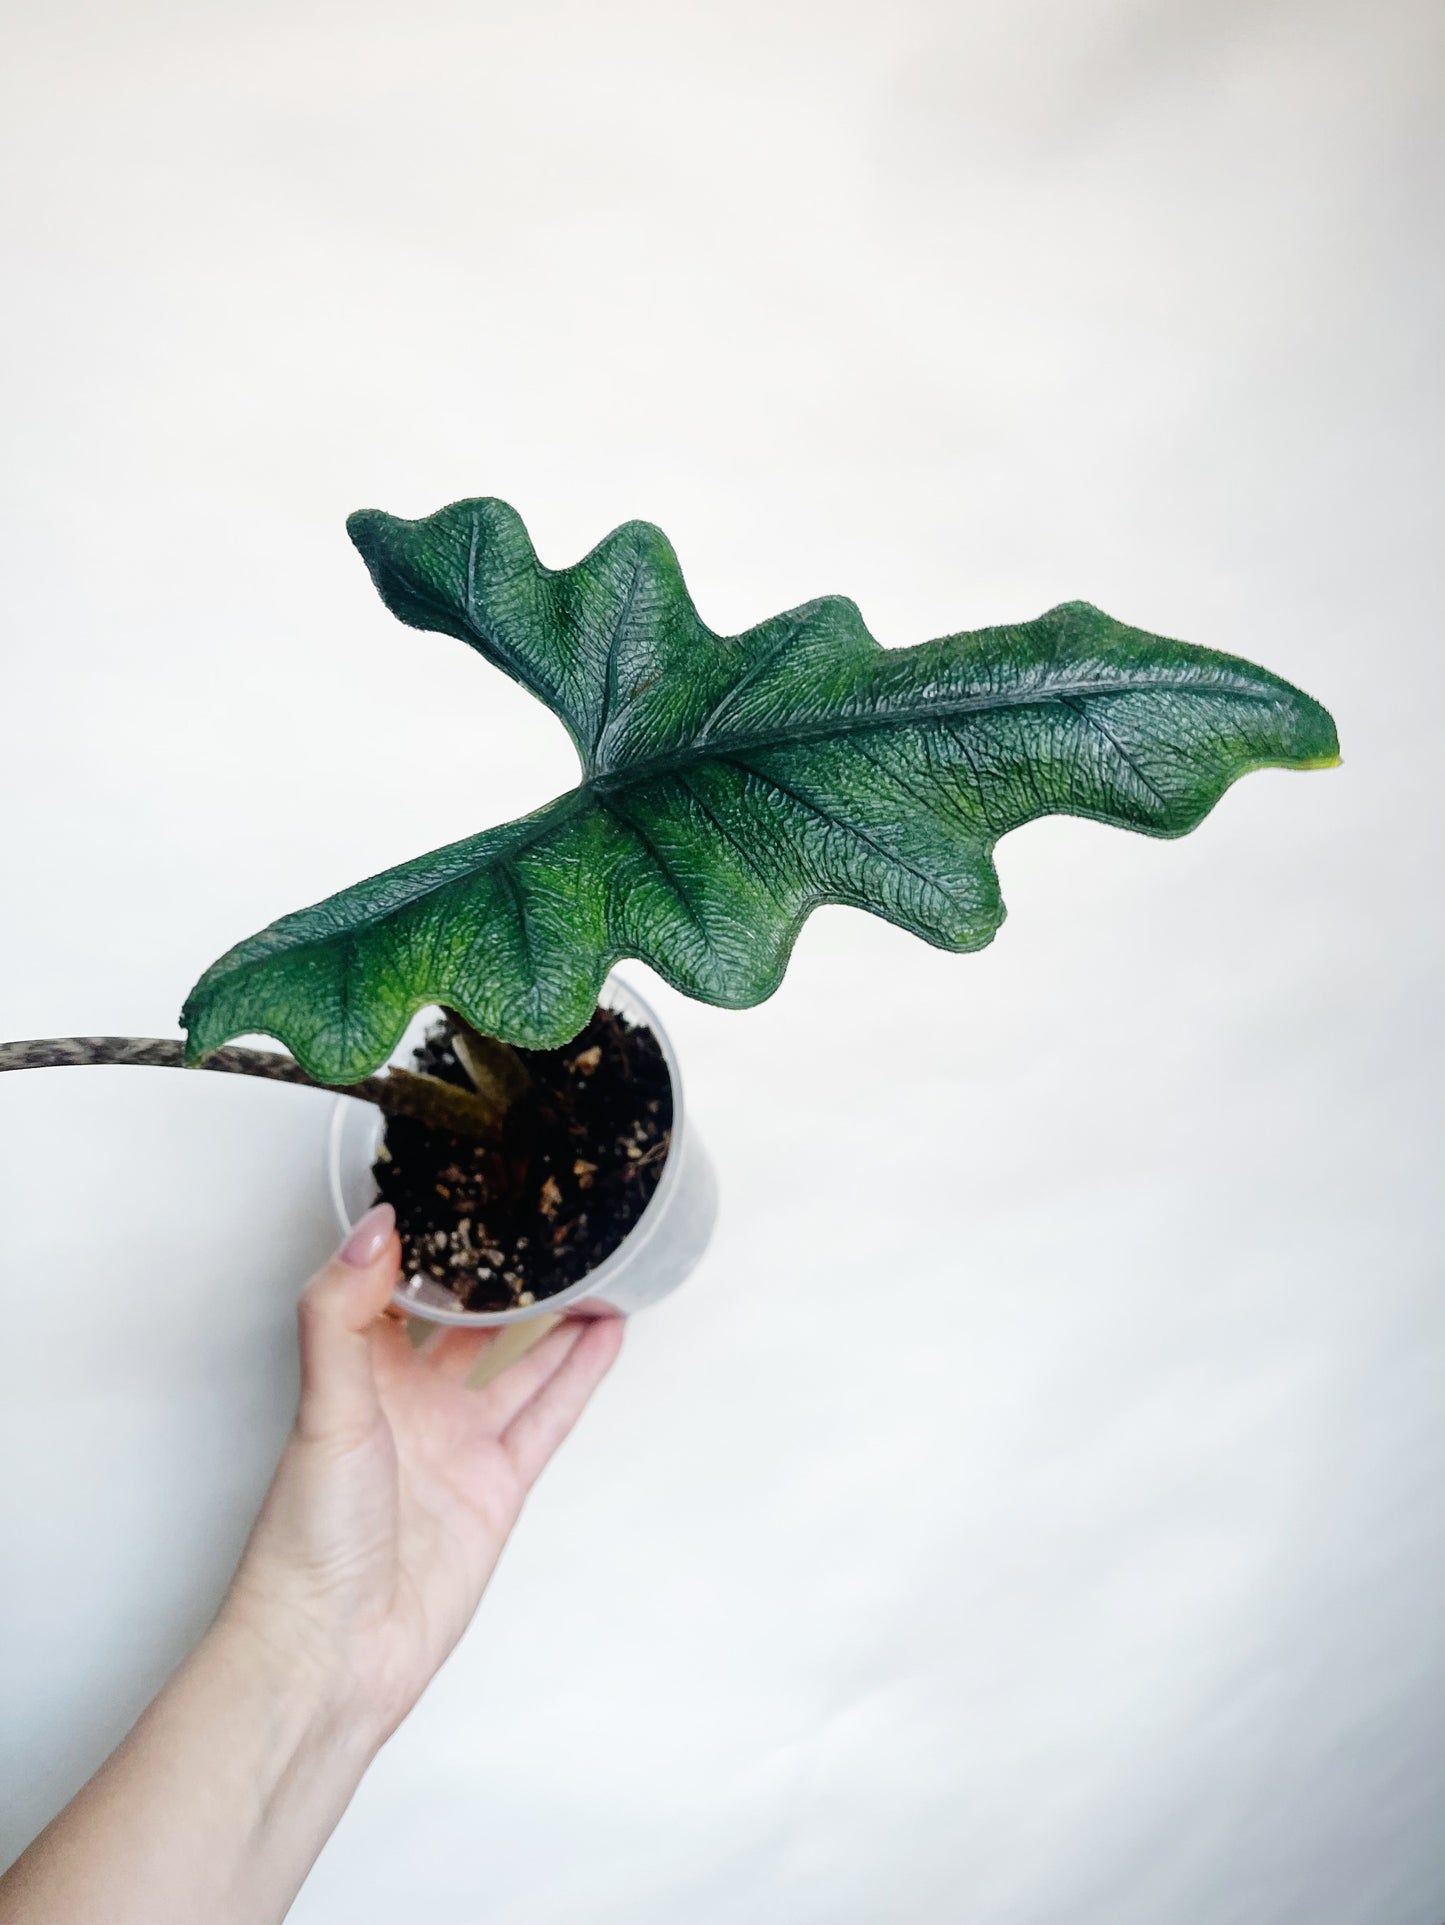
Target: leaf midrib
720 749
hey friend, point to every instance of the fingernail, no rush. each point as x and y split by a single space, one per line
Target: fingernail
369 1237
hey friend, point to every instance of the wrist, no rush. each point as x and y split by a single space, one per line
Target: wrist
281 1650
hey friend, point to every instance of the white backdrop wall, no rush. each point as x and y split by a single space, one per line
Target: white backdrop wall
1031 1512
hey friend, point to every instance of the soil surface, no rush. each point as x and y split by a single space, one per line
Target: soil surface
581 1154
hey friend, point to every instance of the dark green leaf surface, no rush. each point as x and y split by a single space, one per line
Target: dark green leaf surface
729 786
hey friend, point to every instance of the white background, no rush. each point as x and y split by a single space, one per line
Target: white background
1031 1512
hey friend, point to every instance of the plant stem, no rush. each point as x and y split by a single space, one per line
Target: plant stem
399 1092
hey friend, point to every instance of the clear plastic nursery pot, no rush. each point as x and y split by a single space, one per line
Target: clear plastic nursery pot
655 1256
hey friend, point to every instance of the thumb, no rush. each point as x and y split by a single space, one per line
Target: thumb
337 1310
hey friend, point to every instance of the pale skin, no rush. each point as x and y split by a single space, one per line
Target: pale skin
390 1506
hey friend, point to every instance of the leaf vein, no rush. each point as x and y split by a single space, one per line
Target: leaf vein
1092 721
609 677
837 822
750 676
663 866
734 841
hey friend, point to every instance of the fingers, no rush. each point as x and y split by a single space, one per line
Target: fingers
511 1388
453 1353
542 1423
337 1310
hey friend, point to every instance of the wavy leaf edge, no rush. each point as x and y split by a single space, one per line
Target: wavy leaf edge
260 986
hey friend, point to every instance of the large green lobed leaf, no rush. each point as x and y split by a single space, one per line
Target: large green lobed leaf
729 786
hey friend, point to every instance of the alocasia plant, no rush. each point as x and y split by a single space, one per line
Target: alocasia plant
729 785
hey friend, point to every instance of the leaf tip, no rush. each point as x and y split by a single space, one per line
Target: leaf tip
362 525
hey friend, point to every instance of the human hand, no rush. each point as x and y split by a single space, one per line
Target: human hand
386 1516
399 1484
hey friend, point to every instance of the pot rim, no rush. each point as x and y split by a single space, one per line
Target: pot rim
616 993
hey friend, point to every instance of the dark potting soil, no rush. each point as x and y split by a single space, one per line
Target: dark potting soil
581 1153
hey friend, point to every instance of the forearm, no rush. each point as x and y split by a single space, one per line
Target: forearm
215 1806
389 1507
